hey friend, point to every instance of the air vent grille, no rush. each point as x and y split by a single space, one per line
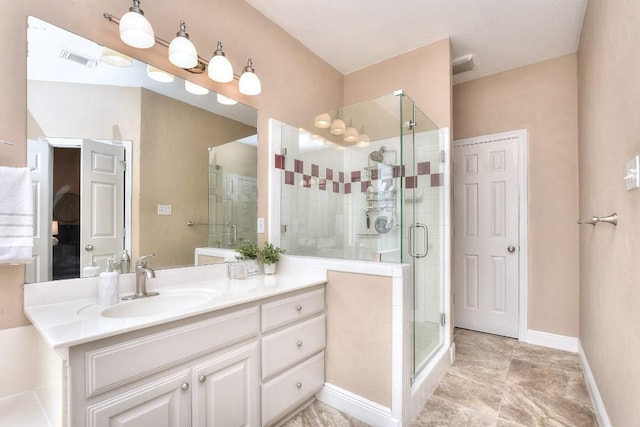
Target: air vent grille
78 59
462 64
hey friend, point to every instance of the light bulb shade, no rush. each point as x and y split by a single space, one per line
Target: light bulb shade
337 127
194 88
220 69
225 101
322 121
115 58
351 134
249 83
363 140
135 29
159 75
182 53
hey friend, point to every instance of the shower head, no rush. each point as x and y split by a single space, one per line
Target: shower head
378 155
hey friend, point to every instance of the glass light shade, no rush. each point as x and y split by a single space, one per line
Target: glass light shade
249 83
158 75
136 31
351 134
182 53
363 140
225 101
115 58
337 127
54 228
194 88
220 69
322 121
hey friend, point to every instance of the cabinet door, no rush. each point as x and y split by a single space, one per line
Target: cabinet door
225 392
162 403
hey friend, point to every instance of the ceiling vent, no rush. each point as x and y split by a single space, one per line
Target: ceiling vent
78 59
462 64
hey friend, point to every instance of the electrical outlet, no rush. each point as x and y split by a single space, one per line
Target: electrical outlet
260 225
632 178
164 209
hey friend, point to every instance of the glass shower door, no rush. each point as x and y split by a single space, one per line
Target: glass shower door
423 228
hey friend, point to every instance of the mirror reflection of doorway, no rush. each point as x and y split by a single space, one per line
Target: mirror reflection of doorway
80 205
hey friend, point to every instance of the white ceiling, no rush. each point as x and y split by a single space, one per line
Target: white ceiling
501 34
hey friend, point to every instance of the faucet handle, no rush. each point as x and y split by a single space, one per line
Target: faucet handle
142 261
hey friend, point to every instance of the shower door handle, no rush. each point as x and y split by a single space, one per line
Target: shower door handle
233 238
412 232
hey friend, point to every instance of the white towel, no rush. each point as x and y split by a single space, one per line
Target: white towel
16 215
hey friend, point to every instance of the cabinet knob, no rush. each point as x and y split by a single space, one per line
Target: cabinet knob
299 385
299 343
202 378
299 307
185 386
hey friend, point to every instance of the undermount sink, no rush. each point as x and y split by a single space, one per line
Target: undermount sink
166 302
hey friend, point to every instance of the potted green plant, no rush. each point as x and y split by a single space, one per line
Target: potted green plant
269 256
248 255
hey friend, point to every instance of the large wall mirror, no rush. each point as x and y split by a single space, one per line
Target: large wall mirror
126 157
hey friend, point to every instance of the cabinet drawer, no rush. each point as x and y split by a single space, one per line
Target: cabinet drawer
287 310
291 388
112 366
291 345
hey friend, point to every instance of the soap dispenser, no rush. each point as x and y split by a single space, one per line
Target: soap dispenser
125 262
108 285
91 270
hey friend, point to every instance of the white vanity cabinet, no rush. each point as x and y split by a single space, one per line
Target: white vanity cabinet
292 353
200 373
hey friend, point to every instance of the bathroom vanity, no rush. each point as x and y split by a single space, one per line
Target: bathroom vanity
234 352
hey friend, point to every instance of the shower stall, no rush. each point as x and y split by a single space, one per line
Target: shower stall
367 182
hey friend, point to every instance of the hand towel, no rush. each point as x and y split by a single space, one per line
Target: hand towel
16 215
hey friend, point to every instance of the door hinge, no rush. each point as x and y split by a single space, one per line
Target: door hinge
283 151
124 164
443 319
283 228
442 156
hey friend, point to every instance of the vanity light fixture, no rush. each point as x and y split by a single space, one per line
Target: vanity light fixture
135 29
117 59
350 134
195 88
182 53
249 83
322 121
159 75
337 127
220 69
137 32
363 139
225 101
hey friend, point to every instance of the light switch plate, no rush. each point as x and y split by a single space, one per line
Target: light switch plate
260 225
164 209
632 177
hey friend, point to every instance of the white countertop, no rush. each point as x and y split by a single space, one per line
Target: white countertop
65 313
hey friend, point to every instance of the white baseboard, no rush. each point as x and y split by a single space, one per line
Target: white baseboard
356 406
594 393
545 339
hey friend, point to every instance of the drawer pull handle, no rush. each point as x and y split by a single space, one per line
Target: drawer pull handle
299 343
185 387
202 378
299 385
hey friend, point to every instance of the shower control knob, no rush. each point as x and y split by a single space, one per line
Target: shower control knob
511 249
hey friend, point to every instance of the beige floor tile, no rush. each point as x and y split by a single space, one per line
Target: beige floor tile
441 412
472 394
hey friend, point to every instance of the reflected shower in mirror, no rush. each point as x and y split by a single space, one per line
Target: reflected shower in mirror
119 156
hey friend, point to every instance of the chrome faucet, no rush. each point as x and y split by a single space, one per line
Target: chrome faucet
142 274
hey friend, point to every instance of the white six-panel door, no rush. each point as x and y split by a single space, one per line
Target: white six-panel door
102 201
39 160
486 236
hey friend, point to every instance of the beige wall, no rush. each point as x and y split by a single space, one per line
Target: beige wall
541 98
174 142
358 355
424 74
608 64
296 83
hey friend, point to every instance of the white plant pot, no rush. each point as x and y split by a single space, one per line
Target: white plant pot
269 268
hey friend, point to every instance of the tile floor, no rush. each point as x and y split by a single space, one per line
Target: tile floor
495 381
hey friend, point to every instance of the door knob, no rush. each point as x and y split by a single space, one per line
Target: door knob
511 249
88 248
